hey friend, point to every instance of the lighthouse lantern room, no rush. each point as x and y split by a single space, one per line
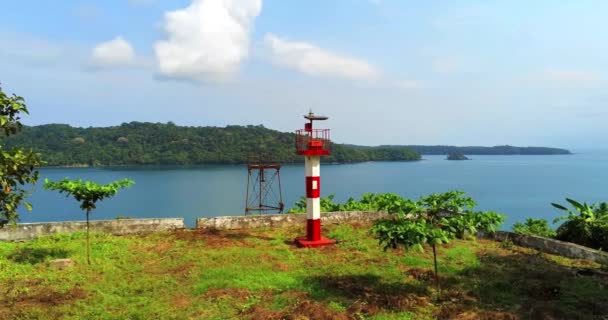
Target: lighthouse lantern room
313 144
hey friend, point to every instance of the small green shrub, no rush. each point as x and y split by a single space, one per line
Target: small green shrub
327 205
534 227
467 224
368 202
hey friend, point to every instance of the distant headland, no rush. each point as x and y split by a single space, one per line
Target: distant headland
476 150
144 143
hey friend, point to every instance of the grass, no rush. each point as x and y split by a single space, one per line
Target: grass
259 274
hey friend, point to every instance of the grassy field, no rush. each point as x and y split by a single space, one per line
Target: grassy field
259 274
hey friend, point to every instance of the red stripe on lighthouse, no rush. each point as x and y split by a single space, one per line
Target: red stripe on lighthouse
313 187
313 226
313 229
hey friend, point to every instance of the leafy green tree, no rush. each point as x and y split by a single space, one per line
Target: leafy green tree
17 166
87 193
432 220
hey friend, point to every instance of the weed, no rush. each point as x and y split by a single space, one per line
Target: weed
507 244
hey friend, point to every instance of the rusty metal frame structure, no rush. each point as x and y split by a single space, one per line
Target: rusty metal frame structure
264 193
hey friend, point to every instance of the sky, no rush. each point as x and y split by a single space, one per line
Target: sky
486 72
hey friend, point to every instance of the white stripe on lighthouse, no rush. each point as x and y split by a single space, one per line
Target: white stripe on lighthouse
313 169
313 209
313 166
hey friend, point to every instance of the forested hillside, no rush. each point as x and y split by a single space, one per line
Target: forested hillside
138 143
496 150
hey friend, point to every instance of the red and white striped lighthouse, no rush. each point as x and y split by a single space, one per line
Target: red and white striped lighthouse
313 144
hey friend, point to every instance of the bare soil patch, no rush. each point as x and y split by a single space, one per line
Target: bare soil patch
40 298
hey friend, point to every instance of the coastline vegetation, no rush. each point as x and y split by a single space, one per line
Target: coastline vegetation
139 143
142 143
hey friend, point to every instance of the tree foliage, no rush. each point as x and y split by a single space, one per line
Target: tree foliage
88 193
139 143
17 165
586 224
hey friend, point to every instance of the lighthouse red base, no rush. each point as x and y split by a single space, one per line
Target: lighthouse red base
305 243
313 235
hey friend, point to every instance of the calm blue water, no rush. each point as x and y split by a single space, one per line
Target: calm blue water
518 186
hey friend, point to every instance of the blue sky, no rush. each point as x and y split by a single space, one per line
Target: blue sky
385 71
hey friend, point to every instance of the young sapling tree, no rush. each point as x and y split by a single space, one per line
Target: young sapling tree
432 220
87 193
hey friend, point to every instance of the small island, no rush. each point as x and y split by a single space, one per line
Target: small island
457 156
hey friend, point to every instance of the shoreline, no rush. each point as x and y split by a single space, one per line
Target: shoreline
83 166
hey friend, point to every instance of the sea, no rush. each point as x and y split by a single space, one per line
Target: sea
517 186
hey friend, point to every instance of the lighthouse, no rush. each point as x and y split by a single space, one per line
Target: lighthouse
313 144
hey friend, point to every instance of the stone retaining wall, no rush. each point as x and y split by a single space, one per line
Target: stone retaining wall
27 231
283 220
552 246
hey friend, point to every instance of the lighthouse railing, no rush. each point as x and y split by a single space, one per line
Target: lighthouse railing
313 140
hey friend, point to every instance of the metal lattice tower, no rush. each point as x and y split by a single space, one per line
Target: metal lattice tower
264 193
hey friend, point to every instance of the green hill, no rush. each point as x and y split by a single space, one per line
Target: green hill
138 143
496 150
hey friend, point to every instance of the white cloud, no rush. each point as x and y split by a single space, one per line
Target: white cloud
208 40
116 52
312 60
